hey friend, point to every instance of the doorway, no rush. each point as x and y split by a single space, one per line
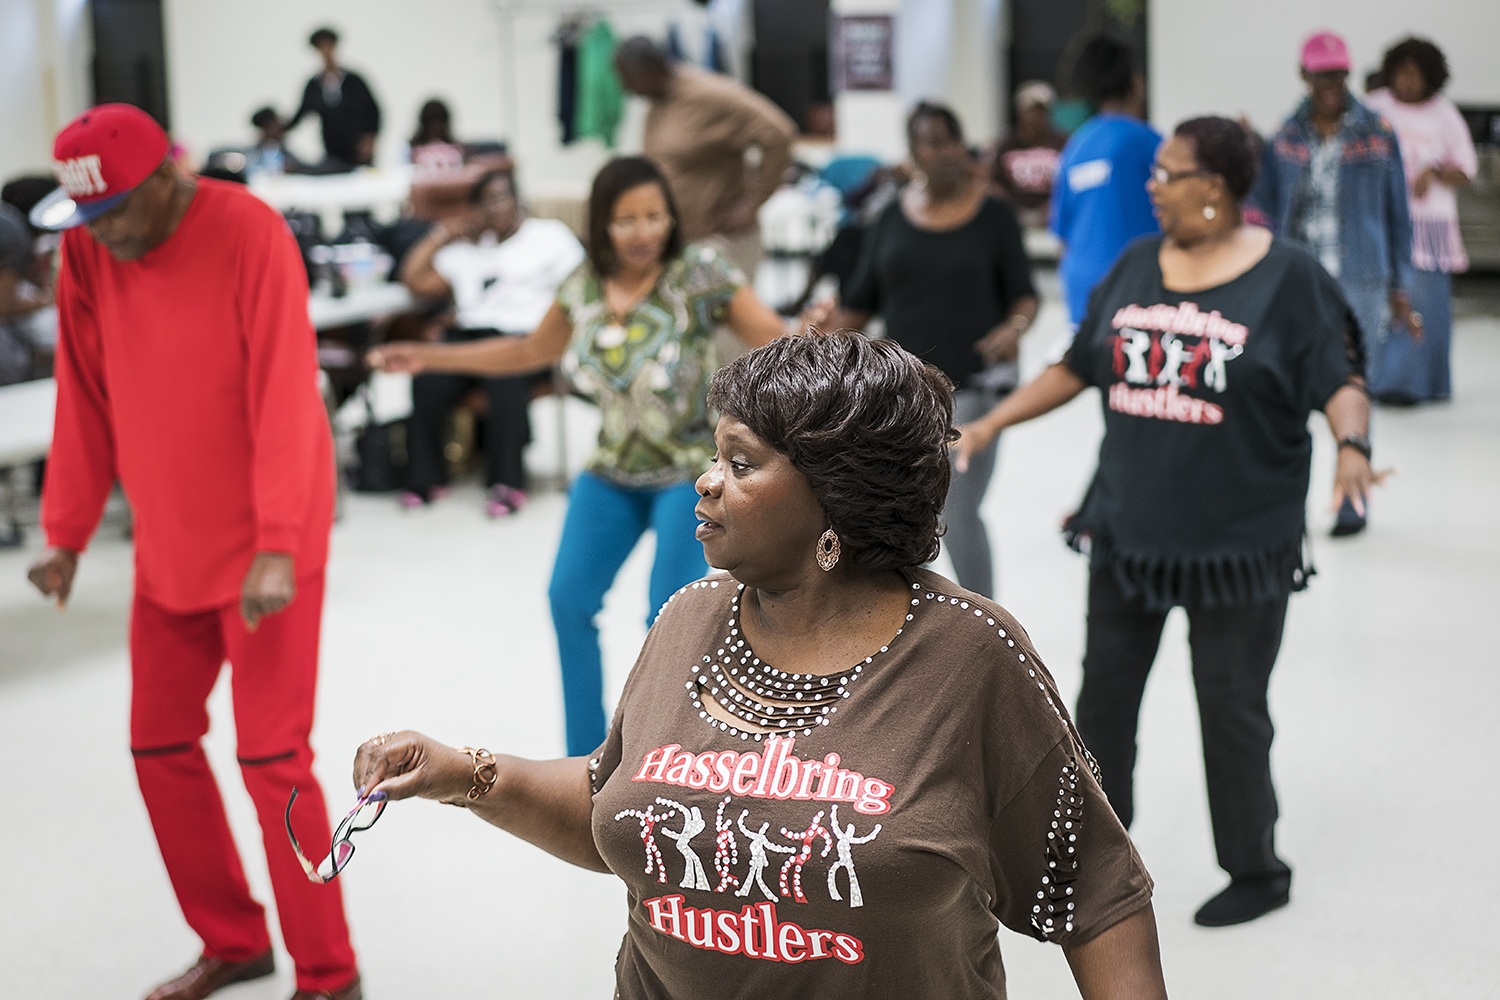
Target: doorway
1046 37
789 63
130 63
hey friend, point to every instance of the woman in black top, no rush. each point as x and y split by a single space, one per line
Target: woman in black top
945 267
343 102
1211 345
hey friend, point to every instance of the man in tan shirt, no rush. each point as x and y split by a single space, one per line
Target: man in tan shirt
700 130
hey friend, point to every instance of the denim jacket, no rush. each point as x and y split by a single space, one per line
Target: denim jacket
1374 221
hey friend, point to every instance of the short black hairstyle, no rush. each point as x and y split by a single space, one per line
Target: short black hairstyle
1105 69
23 193
866 423
324 34
263 116
642 52
506 174
614 179
1428 58
16 240
928 111
1222 146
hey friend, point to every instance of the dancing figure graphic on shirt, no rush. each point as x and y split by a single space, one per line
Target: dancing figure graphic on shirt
794 864
693 876
1177 355
1134 344
1195 363
726 850
648 820
1215 374
759 845
846 838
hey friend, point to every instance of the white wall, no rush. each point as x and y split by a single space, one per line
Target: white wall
946 51
1211 56
44 56
493 61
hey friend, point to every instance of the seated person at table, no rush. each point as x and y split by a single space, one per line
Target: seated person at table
33 310
15 304
270 151
502 271
432 145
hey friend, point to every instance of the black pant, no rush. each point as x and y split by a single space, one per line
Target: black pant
507 428
1233 651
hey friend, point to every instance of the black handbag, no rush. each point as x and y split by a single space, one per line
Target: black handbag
381 449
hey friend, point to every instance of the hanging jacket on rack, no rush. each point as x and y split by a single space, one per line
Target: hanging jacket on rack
567 88
674 44
600 101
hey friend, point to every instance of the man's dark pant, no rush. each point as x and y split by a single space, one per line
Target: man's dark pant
1233 649
507 428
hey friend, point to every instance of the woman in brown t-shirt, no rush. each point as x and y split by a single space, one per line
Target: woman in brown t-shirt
831 773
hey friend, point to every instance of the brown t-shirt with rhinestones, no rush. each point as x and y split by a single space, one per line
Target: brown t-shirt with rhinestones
869 843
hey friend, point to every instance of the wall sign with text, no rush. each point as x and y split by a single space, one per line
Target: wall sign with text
862 52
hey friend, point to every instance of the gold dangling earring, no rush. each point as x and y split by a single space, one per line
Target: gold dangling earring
1208 212
828 550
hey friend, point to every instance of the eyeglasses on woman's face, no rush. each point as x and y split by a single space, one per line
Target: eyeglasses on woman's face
1162 176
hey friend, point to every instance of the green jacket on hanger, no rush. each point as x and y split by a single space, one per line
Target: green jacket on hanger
600 101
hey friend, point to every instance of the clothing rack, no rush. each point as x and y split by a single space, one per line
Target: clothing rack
600 8
582 15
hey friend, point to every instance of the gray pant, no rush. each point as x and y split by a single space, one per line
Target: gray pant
1370 301
967 540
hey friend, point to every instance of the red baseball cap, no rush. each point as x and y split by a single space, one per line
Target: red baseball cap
99 158
1323 52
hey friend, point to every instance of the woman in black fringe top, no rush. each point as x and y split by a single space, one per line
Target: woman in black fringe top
1211 344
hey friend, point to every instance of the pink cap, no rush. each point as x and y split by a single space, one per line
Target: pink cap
1323 52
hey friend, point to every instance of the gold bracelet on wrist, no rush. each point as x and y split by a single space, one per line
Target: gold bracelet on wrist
485 774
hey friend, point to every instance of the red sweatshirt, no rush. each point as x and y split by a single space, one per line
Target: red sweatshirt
191 374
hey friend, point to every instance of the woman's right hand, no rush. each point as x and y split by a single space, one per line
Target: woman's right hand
406 357
972 439
817 315
408 765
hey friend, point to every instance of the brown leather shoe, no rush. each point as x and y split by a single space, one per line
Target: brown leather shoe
210 974
349 991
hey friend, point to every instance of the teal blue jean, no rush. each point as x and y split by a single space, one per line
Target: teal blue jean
603 525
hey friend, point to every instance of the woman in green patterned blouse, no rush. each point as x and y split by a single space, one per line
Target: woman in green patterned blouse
633 328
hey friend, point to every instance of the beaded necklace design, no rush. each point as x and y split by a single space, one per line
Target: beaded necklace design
769 701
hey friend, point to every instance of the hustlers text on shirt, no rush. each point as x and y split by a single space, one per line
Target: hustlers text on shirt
747 849
754 931
1164 355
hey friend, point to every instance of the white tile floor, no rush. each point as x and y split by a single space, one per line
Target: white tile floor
1386 697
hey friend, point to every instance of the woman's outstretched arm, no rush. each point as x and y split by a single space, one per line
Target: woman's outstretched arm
1055 386
753 322
491 356
544 802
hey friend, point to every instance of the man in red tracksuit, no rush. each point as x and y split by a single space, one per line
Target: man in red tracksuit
186 367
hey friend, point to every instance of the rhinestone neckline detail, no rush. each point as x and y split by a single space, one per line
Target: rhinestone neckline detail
771 701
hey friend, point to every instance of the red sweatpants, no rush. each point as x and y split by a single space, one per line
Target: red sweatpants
175 660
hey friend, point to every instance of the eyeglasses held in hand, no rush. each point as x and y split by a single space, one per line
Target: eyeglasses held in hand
363 816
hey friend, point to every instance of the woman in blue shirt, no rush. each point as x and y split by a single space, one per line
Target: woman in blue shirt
1099 201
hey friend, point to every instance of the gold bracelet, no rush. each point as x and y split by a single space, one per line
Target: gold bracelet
485 775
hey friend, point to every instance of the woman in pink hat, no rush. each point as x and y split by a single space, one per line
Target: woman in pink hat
1332 179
